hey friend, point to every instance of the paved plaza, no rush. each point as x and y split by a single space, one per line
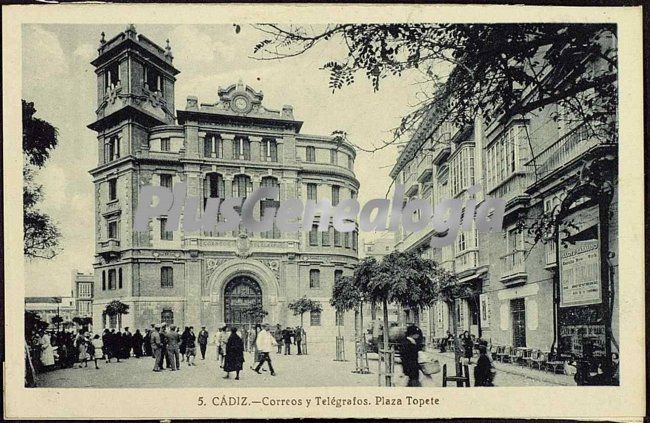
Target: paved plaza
313 370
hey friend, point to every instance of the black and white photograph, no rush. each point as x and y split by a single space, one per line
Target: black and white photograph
385 205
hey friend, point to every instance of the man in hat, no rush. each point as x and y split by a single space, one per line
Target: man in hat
265 343
203 341
173 353
156 348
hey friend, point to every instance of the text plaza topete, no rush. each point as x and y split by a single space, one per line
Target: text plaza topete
292 214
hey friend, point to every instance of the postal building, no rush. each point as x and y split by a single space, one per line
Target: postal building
227 148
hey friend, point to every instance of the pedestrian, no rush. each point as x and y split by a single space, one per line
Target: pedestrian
297 338
265 343
116 344
127 343
190 348
156 348
136 343
287 334
203 341
279 335
234 361
47 352
468 347
173 339
245 334
409 349
163 340
483 372
223 340
183 345
81 345
146 341
95 349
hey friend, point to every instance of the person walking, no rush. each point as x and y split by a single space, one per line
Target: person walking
234 361
81 346
136 343
156 348
116 344
265 343
409 349
245 332
297 339
173 339
203 341
183 346
223 340
190 348
106 340
47 352
287 335
164 330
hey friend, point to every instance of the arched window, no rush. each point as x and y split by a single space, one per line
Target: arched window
213 186
242 186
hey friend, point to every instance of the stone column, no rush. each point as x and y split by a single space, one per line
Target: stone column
280 143
193 282
256 148
228 147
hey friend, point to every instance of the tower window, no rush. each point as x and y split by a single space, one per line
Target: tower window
112 189
112 149
103 280
165 235
113 229
350 163
166 277
153 80
269 150
335 194
119 278
312 192
165 144
313 236
112 282
325 238
112 76
310 154
334 157
337 238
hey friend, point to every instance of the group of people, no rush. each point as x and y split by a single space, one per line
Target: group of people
287 337
121 344
167 344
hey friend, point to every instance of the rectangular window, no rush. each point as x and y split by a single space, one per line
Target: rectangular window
346 237
165 235
112 149
112 189
103 280
113 230
336 190
166 180
350 163
165 144
269 151
312 192
313 236
112 279
338 274
340 315
337 238
242 150
314 318
314 279
355 241
112 76
325 238
334 157
166 277
119 278
310 154
213 146
152 79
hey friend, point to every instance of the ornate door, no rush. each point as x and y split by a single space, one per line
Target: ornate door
241 296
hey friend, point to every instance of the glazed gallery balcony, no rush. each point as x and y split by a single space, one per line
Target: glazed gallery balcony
513 268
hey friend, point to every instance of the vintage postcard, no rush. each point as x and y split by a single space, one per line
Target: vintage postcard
363 211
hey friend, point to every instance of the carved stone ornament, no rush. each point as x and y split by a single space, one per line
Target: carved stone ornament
243 246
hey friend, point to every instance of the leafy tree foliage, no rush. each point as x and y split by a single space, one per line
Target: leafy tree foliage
116 307
256 312
346 295
41 236
302 305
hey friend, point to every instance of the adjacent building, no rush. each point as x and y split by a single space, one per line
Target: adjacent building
49 307
536 164
224 148
82 292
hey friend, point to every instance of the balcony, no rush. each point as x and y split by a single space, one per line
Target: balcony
467 260
550 252
109 248
563 151
514 268
425 168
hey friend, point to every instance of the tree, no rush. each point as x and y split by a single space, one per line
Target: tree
404 278
345 295
299 307
256 312
117 308
41 236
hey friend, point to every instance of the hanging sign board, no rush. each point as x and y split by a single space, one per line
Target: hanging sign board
579 259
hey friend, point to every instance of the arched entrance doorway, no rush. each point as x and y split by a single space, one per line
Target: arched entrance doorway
241 295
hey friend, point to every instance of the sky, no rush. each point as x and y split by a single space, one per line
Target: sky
58 78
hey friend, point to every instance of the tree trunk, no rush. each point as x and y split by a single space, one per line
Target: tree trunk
387 366
457 346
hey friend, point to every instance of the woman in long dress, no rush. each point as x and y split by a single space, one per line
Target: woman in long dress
47 352
234 361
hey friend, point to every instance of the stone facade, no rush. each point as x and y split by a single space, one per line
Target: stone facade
227 148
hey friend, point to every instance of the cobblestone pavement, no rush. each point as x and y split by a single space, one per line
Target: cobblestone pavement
311 370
